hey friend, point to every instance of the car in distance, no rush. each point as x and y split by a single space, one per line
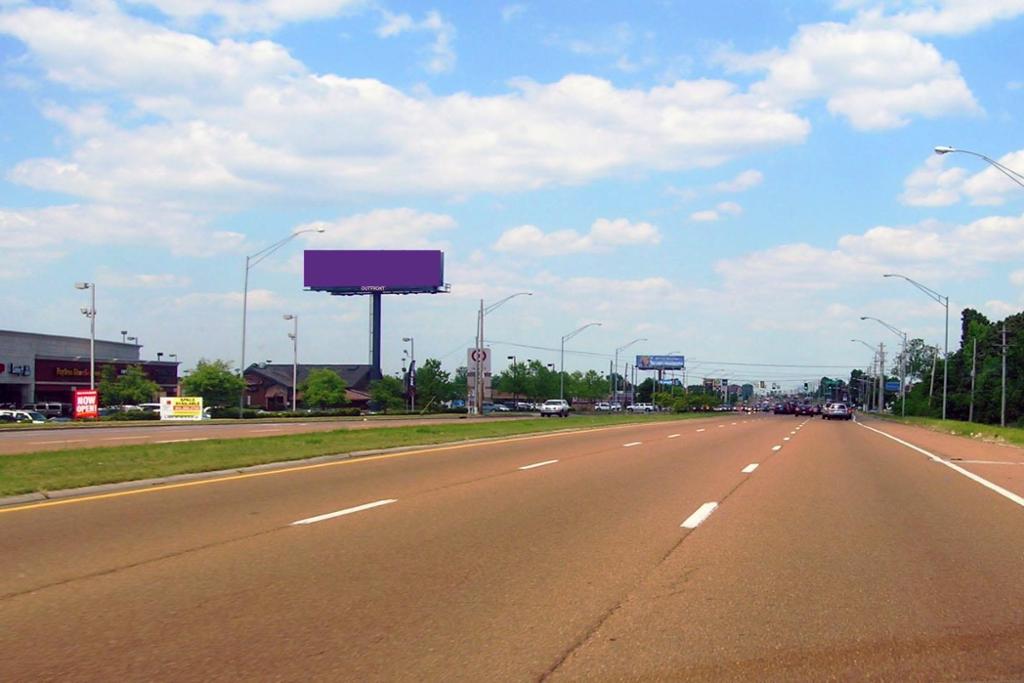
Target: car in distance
640 408
602 407
554 406
836 411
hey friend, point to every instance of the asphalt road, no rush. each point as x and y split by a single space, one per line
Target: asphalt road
640 552
61 438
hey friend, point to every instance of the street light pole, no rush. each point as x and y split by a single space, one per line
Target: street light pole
478 403
515 384
412 371
251 262
615 392
561 362
294 336
874 358
90 313
903 361
943 300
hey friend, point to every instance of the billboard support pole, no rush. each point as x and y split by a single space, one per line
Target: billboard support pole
375 300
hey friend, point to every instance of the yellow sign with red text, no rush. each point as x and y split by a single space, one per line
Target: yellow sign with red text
181 408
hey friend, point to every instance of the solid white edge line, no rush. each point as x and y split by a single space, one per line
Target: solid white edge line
673 436
702 513
776 448
631 444
749 468
346 511
538 464
1009 495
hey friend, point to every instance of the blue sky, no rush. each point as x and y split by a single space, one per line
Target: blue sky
725 179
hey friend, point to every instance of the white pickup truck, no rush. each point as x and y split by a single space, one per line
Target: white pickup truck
640 408
554 406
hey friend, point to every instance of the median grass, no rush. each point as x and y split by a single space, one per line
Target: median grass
973 430
73 468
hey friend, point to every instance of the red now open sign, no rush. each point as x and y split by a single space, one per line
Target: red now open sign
87 403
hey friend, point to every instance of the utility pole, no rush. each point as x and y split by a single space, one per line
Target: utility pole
881 377
1002 409
974 365
935 360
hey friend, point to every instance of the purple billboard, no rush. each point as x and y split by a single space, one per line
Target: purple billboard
374 271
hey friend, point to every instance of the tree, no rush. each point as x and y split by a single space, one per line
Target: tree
131 387
388 393
433 386
215 382
459 382
323 388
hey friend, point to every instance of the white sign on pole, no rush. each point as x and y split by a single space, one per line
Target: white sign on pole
478 361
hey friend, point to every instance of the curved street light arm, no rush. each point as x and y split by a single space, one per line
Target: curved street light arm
253 259
622 348
499 303
899 333
578 330
944 300
1008 172
873 349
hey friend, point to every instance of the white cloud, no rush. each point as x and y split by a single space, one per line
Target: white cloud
57 227
106 277
938 17
256 300
381 229
1001 309
245 16
875 78
441 54
705 216
933 184
603 235
721 210
229 122
1017 278
742 182
510 12
927 251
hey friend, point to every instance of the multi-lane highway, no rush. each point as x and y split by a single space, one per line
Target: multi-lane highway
744 548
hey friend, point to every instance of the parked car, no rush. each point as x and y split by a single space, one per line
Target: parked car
640 408
26 416
555 406
602 407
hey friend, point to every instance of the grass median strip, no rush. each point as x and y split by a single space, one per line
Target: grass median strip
72 468
973 430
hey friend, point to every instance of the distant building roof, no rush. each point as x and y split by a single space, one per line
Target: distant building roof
357 377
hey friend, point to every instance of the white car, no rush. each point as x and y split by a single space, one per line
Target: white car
836 411
554 406
640 408
602 407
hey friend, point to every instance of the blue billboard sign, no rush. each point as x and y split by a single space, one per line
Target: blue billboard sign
660 362
892 385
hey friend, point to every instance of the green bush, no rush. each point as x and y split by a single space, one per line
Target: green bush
131 416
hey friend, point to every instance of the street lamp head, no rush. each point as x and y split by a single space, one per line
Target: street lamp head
321 228
865 317
943 149
83 285
84 310
405 339
289 316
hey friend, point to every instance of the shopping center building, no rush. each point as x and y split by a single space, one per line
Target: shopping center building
46 367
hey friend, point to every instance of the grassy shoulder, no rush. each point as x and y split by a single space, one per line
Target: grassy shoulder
73 468
972 430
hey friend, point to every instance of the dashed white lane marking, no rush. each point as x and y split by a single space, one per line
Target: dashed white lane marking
203 438
1009 495
732 423
785 438
702 513
631 444
749 468
701 429
776 448
538 464
794 431
720 426
673 436
346 511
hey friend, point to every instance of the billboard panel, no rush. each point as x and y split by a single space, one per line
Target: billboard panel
369 271
660 362
181 408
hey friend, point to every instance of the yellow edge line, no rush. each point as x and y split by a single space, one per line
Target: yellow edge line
300 468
